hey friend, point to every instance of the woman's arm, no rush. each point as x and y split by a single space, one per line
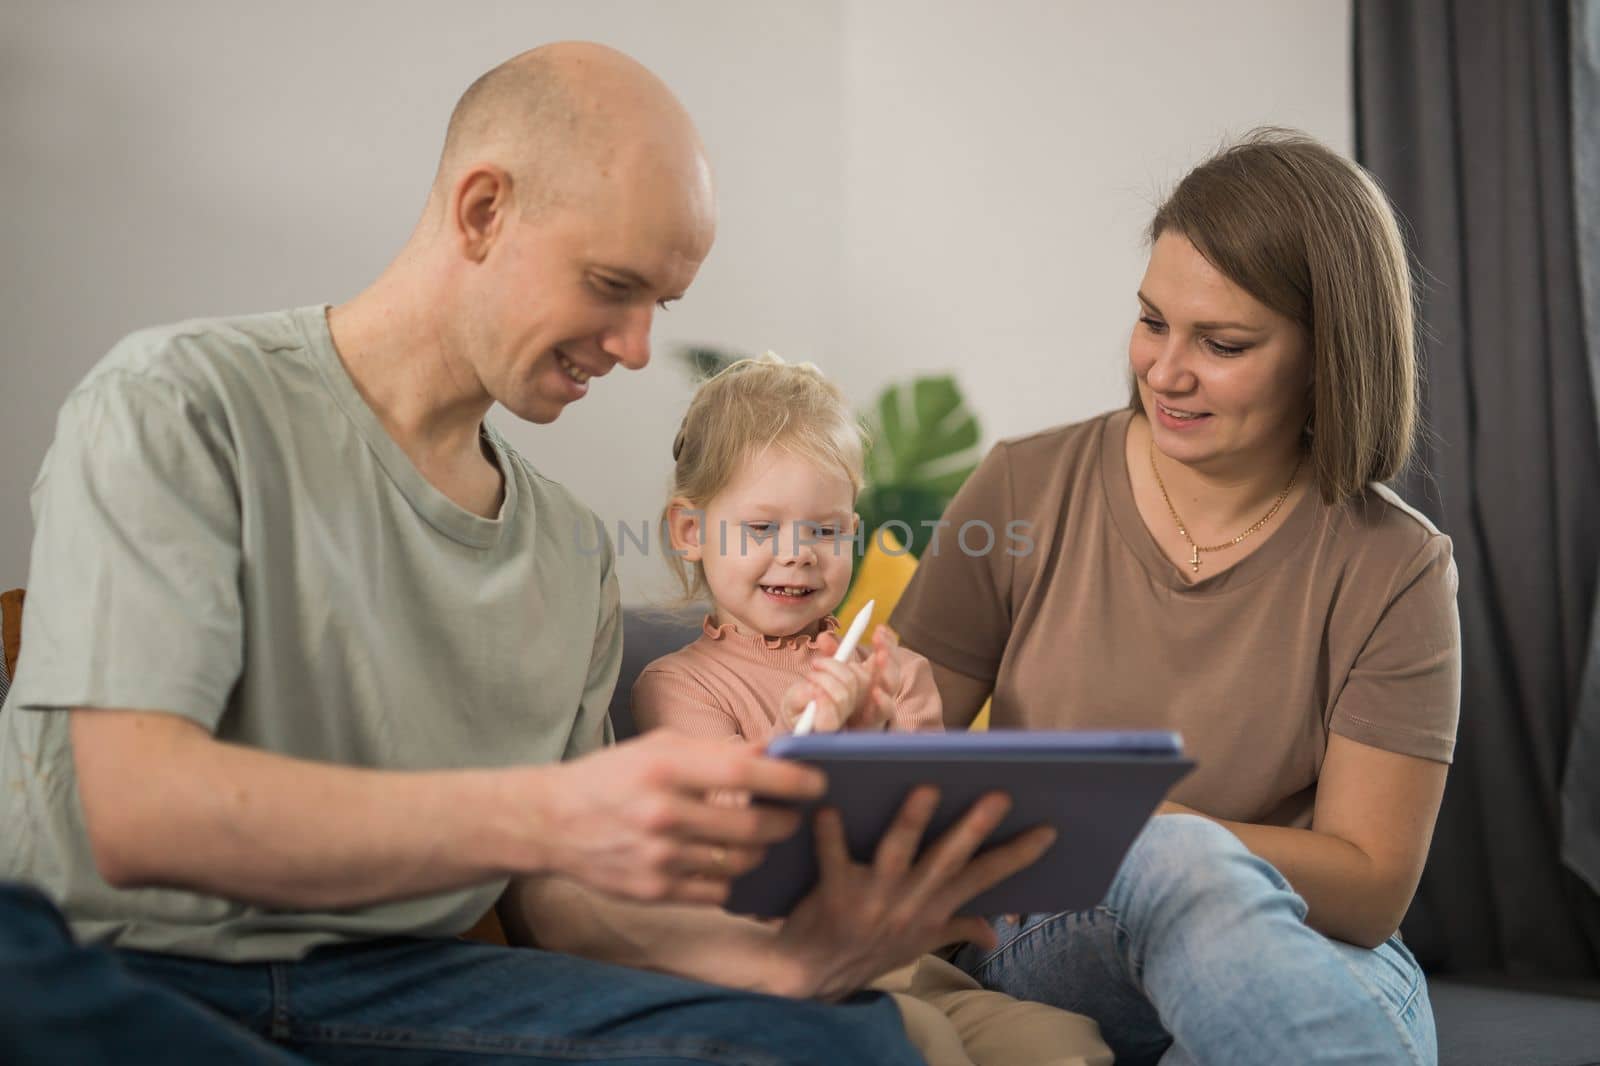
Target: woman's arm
1390 737
1358 865
956 612
962 696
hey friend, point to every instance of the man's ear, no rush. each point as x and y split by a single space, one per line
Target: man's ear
686 529
480 209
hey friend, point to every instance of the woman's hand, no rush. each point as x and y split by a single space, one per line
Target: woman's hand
865 919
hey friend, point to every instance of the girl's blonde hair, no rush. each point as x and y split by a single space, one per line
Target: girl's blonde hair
744 410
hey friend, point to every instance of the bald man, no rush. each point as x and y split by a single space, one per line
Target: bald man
315 671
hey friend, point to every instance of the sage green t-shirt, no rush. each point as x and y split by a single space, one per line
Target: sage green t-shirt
225 532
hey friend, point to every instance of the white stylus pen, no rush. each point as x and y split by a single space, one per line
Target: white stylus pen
847 648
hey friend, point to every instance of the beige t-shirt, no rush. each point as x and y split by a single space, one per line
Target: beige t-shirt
1343 621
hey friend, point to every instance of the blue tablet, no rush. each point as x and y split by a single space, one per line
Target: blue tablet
1096 788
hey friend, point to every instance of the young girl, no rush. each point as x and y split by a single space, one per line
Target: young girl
762 522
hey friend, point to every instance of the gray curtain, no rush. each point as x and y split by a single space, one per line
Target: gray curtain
1580 797
1464 113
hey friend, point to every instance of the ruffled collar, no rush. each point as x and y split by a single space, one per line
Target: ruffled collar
728 632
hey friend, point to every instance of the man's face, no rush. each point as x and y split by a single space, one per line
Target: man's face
564 296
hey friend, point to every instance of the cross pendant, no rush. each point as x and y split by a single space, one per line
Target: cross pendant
1194 558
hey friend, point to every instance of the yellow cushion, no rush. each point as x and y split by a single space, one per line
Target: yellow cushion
886 569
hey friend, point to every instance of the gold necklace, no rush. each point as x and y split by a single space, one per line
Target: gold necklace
1183 531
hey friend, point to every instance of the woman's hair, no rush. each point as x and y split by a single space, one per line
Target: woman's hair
745 410
1310 235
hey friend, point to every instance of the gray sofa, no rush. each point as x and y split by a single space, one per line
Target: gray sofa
1481 1023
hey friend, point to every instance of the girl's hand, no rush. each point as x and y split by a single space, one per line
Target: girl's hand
857 695
837 687
883 680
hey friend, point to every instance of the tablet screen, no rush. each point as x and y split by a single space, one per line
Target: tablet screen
1096 788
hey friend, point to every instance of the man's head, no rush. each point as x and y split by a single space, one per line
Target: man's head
573 197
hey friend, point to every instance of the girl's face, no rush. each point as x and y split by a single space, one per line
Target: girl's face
776 543
1225 380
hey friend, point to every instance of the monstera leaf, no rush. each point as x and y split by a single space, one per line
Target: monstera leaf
924 446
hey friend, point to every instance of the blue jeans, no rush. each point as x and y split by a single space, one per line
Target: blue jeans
445 1001
407 1001
63 1003
1200 954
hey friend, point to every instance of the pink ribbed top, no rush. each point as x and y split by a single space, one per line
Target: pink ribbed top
728 684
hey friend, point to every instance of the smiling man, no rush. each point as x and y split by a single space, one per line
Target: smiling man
314 674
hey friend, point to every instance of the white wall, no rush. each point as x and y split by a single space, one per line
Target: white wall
1004 159
904 186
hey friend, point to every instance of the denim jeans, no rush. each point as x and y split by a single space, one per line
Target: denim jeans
61 1003
418 1001
1200 954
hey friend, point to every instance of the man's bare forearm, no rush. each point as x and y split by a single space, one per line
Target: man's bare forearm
858 922
700 942
167 804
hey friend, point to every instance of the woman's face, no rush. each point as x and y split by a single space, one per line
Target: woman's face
1225 380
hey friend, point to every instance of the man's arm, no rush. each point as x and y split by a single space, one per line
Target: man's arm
167 804
704 943
859 921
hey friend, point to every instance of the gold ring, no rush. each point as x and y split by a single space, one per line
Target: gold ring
719 858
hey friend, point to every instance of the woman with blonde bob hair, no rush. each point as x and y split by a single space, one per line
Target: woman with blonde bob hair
1221 558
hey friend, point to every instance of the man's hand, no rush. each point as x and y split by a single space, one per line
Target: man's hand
637 821
863 920
858 923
